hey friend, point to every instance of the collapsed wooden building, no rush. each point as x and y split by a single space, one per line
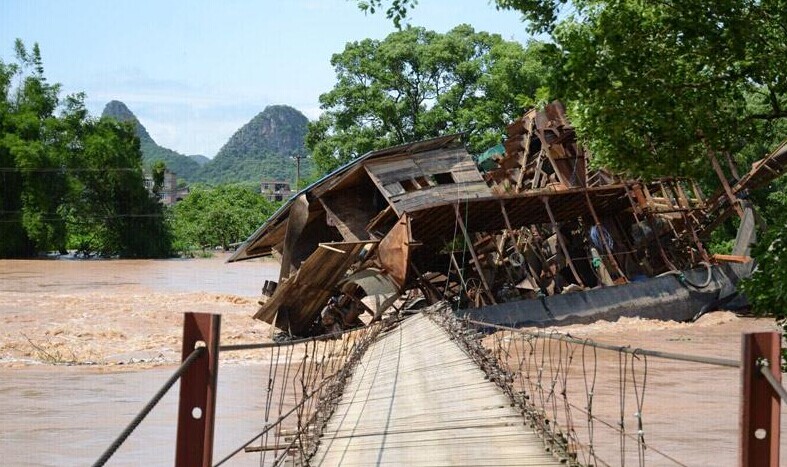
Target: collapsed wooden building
527 221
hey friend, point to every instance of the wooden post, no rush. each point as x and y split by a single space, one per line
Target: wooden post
723 179
601 233
197 406
533 274
760 404
472 253
560 241
525 152
700 246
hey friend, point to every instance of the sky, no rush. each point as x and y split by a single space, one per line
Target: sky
193 72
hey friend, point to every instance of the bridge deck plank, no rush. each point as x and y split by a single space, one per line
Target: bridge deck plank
417 399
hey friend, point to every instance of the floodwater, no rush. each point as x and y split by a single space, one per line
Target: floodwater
118 323
125 316
689 412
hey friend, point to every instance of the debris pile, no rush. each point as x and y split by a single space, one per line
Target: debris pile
525 220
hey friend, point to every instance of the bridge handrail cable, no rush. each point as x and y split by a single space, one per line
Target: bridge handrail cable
195 354
625 349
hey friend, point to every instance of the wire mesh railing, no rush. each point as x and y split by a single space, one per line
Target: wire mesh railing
305 379
605 405
592 403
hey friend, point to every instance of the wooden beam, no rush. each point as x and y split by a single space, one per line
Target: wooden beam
700 246
473 254
560 241
603 236
526 152
723 179
733 167
731 258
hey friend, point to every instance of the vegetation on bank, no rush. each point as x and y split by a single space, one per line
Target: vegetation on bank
69 181
218 216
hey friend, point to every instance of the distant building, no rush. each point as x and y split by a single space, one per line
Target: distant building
275 190
169 193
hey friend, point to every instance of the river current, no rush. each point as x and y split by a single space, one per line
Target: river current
84 344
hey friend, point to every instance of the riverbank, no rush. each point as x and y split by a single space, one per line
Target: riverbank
115 314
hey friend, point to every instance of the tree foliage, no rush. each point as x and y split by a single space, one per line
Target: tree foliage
218 216
184 167
68 180
655 87
652 86
416 84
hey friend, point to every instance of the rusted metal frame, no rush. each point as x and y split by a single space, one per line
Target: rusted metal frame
604 237
698 194
197 406
634 207
719 173
682 194
560 241
509 228
537 172
760 403
670 195
509 232
469 241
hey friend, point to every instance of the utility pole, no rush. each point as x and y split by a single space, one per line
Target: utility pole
297 158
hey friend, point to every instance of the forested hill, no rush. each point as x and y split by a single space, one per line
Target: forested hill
262 148
186 167
199 159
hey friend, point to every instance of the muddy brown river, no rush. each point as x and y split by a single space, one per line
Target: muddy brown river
85 344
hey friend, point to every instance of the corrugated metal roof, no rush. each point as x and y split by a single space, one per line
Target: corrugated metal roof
419 146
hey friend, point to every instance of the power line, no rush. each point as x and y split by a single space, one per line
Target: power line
67 169
55 218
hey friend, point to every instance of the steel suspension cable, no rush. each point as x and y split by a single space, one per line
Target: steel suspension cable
193 356
625 349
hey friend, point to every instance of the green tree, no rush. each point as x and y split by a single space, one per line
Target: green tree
218 216
416 84
109 205
652 87
33 146
68 178
158 171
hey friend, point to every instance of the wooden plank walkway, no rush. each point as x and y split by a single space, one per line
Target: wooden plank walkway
417 399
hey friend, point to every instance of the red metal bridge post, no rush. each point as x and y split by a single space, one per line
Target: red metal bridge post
198 391
760 403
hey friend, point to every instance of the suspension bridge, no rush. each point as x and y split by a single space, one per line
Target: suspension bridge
433 389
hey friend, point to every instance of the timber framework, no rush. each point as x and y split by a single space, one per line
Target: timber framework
526 220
